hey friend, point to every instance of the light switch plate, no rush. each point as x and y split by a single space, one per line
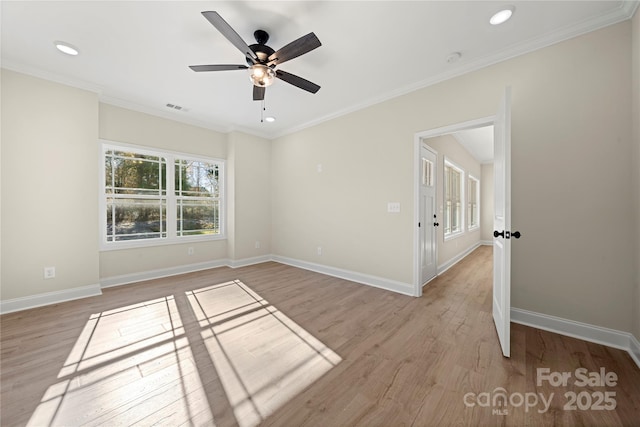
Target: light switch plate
393 207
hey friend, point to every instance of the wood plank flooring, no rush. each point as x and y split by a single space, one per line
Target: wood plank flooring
279 346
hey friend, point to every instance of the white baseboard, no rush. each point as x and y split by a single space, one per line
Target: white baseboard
365 279
249 261
584 331
48 298
456 259
126 279
92 290
634 350
486 242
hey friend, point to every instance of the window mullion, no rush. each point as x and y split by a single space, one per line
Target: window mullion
171 198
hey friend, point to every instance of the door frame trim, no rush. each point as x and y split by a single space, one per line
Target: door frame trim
417 142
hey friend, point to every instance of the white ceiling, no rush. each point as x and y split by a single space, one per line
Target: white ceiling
136 53
478 142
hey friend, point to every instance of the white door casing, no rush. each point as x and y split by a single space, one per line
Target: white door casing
427 217
502 223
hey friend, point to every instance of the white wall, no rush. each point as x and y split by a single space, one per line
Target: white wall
49 173
571 121
448 147
486 203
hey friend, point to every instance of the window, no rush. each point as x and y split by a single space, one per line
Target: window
152 197
453 190
427 172
473 195
197 197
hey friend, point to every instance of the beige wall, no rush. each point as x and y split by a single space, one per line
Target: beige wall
636 159
50 144
49 177
486 203
122 125
570 121
247 191
249 196
572 141
447 146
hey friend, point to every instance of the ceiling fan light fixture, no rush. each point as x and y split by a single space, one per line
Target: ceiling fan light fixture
261 75
502 16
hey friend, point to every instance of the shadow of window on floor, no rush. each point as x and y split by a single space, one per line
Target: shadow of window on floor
263 358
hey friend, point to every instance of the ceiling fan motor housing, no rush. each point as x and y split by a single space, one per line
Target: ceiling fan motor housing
261 50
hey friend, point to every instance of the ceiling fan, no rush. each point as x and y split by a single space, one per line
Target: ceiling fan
261 59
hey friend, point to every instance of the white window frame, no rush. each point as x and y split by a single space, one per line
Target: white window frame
461 231
476 181
171 198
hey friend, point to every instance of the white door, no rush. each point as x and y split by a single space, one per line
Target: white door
427 214
502 223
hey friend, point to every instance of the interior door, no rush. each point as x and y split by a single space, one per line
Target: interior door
427 214
502 223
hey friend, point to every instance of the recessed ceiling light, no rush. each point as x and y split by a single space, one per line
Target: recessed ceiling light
502 16
66 48
270 119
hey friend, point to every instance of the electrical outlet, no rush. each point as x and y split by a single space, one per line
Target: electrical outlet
49 272
319 250
190 250
257 245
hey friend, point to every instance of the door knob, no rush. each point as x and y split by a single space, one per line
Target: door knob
516 234
497 234
436 224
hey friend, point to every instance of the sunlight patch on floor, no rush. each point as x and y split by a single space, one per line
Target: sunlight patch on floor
127 366
263 357
214 355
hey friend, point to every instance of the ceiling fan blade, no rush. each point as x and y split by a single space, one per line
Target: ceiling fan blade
223 67
297 81
258 93
294 49
231 35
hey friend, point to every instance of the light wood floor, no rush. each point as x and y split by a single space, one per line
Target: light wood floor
275 345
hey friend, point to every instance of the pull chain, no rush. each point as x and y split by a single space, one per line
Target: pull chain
262 110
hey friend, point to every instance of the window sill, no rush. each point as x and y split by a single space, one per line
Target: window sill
454 235
118 246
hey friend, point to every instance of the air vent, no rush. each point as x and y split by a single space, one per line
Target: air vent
176 107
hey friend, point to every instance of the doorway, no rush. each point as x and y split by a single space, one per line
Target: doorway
502 233
450 248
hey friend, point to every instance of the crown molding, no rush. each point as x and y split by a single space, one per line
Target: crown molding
625 11
118 102
128 105
622 13
630 7
18 67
